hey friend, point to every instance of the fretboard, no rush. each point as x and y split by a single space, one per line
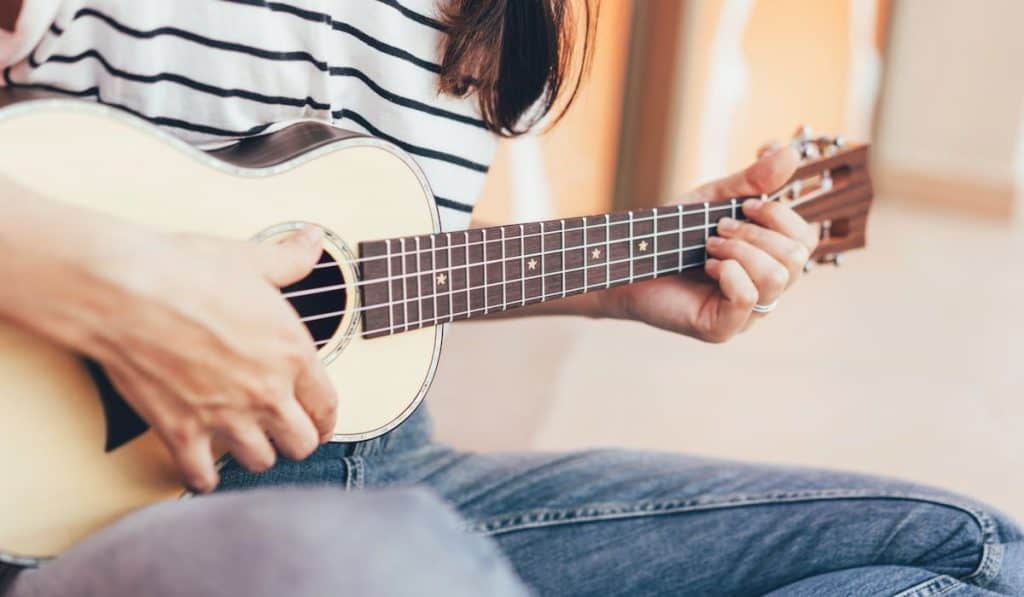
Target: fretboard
412 282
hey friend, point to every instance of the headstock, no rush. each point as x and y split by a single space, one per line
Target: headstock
832 187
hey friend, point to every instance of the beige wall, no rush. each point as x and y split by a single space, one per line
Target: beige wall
950 128
579 154
754 70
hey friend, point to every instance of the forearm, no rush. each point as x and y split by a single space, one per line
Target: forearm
48 252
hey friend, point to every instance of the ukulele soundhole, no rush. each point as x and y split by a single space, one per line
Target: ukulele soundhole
319 298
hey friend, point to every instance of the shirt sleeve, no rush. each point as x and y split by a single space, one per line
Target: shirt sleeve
35 17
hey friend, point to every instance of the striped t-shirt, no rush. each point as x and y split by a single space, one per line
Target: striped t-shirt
211 71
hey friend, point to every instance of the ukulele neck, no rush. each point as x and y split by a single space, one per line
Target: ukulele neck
419 281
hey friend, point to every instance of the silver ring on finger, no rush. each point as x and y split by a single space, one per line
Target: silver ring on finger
759 308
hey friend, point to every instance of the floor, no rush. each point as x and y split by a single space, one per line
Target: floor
907 360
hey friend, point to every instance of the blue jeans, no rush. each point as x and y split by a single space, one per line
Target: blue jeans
615 522
592 523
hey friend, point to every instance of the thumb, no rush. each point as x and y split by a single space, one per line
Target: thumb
772 170
293 258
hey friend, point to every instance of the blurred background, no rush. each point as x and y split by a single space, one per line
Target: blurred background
907 360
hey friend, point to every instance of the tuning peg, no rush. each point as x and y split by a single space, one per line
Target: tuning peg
835 259
809 151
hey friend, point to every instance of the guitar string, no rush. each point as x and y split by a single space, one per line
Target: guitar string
390 304
505 282
673 213
406 325
392 278
448 318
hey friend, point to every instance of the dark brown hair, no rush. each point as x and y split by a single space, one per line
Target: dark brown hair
517 56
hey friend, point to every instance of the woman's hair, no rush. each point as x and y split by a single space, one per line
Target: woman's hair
517 56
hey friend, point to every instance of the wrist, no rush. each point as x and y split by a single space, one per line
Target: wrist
63 284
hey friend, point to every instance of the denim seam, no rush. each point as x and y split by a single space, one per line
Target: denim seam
933 587
987 568
355 473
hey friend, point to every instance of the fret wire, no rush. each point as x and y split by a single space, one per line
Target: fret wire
419 280
543 293
631 247
680 244
504 275
563 258
654 266
451 272
733 204
607 250
583 247
390 281
522 267
469 301
405 291
433 268
707 224
484 232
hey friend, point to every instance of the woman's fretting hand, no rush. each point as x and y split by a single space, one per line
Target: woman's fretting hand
752 262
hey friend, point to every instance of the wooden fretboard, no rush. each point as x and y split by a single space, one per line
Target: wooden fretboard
408 283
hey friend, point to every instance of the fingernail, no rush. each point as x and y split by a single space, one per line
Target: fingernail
715 241
752 204
728 225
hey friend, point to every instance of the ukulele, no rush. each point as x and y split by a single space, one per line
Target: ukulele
75 455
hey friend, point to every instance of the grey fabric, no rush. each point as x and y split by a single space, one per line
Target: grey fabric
281 542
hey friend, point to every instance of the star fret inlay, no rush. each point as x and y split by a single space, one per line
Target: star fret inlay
596 253
532 264
642 246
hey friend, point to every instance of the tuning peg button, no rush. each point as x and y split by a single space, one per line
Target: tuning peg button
835 259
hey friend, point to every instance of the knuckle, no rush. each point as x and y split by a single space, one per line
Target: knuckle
752 232
747 299
180 432
778 277
798 255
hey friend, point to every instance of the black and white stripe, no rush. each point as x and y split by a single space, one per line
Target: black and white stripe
213 70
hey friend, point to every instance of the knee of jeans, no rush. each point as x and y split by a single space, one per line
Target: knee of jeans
944 539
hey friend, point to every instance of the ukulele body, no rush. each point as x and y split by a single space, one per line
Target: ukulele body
64 475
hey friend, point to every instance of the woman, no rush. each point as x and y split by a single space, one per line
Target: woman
444 82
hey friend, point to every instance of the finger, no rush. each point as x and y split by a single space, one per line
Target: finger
783 220
316 394
739 292
765 175
194 457
249 444
790 253
767 147
768 275
293 258
292 430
